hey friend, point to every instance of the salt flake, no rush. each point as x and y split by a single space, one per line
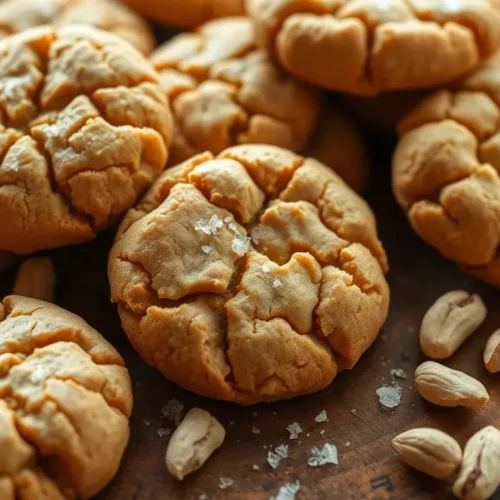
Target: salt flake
323 455
241 245
163 432
321 417
274 458
225 482
294 429
390 396
399 373
227 220
255 430
277 283
209 227
146 421
255 467
287 491
266 268
206 249
348 444
173 410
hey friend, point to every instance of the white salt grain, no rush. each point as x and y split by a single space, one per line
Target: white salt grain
174 411
241 245
227 220
209 227
255 467
294 429
163 432
323 455
348 444
225 482
390 396
399 373
206 249
321 417
255 430
147 422
353 411
277 283
266 268
287 491
274 458
322 432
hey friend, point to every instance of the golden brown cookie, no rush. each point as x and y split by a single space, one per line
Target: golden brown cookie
446 171
252 276
84 130
65 402
367 46
108 15
224 92
338 143
187 13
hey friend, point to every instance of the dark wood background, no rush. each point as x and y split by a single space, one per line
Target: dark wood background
367 469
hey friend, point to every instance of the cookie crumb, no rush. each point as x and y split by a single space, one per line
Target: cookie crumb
321 417
288 491
255 430
294 429
390 396
327 454
173 411
225 482
277 283
399 373
255 467
241 245
163 432
266 268
206 249
274 458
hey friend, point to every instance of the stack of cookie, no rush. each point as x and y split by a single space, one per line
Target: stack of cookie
245 267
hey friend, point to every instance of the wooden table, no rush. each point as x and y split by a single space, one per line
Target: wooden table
367 468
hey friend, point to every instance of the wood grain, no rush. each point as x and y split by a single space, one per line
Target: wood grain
367 468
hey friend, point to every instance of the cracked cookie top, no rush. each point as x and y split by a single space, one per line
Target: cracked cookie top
446 171
224 92
367 46
187 13
108 15
65 402
250 276
84 129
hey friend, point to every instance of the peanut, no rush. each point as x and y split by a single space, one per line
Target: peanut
449 322
492 353
430 451
36 279
192 443
479 475
446 387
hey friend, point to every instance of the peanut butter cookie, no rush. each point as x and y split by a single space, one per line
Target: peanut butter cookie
367 46
65 402
84 130
187 13
250 276
446 171
224 92
108 15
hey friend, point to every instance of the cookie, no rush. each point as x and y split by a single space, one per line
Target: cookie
338 143
187 13
446 171
251 276
84 131
224 92
108 15
65 403
366 46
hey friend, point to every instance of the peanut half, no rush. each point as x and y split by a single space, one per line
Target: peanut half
449 322
430 451
479 475
446 387
192 443
36 279
492 353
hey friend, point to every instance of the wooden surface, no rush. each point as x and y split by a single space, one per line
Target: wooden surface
367 469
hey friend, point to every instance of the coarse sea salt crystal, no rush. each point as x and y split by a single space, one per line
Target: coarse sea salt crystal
209 227
324 455
241 245
255 467
390 396
163 432
399 373
321 417
274 458
277 283
294 429
288 491
255 430
173 410
206 249
266 268
225 482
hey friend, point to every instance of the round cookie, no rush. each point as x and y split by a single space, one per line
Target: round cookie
224 91
187 13
338 143
446 171
108 15
84 130
251 276
367 46
65 402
